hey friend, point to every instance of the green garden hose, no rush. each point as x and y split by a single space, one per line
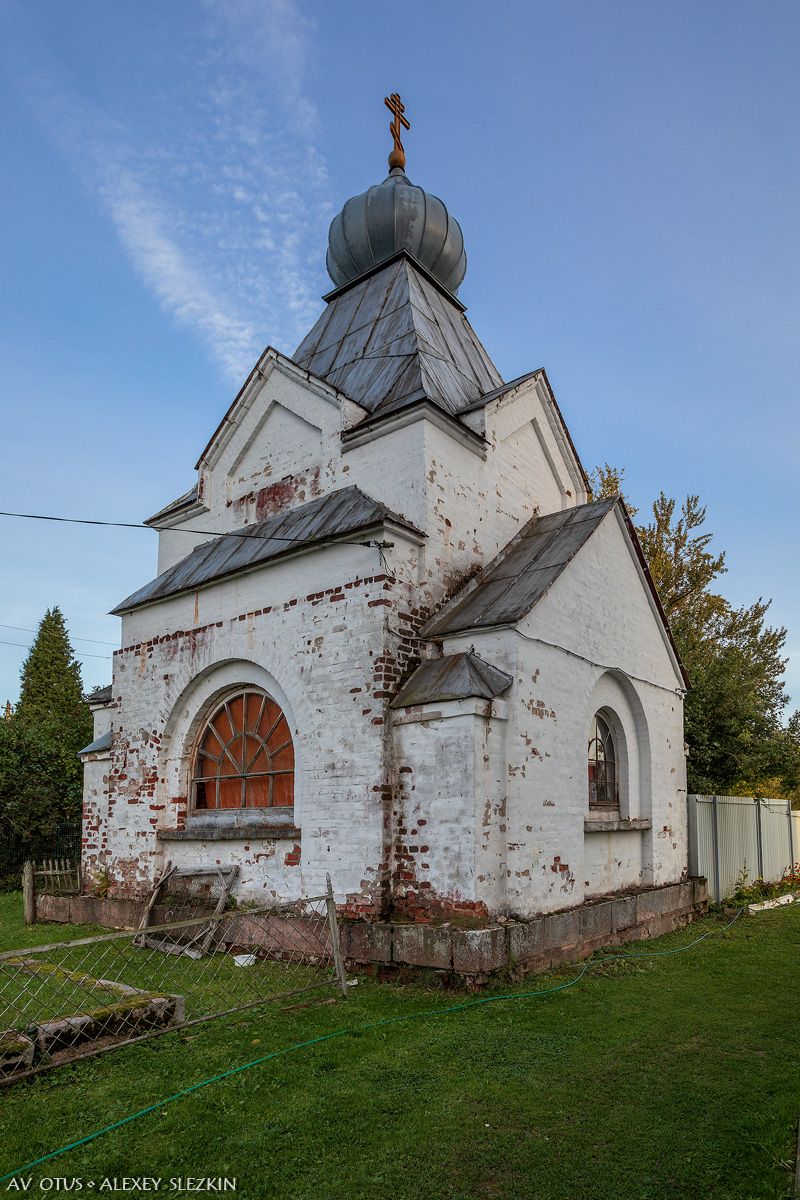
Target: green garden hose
337 1033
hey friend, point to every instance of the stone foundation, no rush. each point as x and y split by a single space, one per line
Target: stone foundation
525 947
516 947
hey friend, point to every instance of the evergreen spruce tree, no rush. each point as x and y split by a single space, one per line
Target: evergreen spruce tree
51 692
40 774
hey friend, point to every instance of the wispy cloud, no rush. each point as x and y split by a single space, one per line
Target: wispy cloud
220 200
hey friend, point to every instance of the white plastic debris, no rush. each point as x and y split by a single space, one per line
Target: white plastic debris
245 960
764 905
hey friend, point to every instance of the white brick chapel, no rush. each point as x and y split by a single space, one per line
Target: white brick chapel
404 648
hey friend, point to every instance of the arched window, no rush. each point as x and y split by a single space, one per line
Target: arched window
603 791
245 757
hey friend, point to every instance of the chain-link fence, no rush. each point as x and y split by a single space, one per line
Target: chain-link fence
73 999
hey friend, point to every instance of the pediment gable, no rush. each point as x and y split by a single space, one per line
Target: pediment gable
522 420
274 380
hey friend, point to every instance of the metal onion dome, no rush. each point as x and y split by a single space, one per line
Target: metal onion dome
392 216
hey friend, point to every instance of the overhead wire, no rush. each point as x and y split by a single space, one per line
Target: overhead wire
242 533
22 646
73 638
601 666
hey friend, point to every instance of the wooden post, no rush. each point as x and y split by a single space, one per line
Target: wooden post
28 893
338 961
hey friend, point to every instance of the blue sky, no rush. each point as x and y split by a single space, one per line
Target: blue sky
625 174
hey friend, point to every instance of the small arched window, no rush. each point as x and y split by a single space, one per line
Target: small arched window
603 790
245 757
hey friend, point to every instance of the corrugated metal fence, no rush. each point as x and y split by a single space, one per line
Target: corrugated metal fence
734 838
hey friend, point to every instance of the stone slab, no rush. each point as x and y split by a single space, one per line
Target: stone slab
562 929
364 942
526 941
480 951
423 945
596 919
623 913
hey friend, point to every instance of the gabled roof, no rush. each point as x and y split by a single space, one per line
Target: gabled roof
270 360
329 518
100 695
98 745
525 570
511 386
497 392
395 337
454 677
508 588
175 506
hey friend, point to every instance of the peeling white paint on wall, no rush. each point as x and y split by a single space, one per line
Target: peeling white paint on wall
465 805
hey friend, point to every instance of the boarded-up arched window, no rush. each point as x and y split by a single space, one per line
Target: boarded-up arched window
245 757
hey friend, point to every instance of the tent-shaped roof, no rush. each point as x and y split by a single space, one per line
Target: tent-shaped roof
98 745
511 585
394 337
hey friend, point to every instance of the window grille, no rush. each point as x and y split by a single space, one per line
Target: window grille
245 757
602 766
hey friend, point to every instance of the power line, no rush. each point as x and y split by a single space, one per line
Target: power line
265 537
22 646
94 641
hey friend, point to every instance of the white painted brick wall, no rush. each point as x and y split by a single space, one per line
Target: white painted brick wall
505 797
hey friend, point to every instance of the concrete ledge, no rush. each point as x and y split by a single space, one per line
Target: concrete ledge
596 919
423 945
230 833
90 910
615 824
562 928
363 942
480 951
526 941
623 913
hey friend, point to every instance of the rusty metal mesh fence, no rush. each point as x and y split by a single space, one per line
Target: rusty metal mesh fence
72 999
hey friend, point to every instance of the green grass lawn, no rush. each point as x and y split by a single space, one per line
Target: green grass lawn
669 1077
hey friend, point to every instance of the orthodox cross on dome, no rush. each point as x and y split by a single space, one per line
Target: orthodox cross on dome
397 158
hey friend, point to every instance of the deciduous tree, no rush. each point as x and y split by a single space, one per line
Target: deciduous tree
734 659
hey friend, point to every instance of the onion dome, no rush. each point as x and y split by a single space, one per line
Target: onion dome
392 216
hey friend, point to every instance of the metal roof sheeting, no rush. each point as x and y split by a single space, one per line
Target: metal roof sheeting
330 517
98 745
394 338
519 576
174 506
454 677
